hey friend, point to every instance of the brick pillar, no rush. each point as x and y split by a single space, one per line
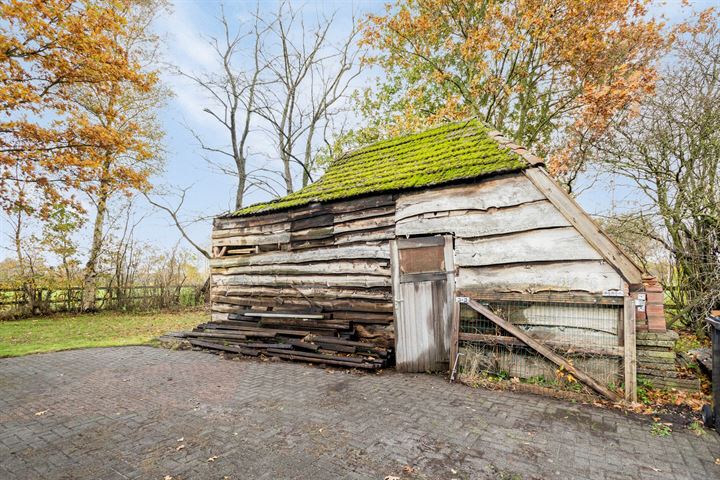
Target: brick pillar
654 306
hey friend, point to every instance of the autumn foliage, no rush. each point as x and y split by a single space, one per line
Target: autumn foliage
548 73
52 54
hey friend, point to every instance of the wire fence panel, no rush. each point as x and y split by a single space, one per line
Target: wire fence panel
588 335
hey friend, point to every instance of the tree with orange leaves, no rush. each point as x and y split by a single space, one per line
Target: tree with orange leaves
48 48
124 148
547 73
79 97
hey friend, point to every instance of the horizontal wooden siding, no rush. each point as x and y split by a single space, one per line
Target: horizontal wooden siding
334 258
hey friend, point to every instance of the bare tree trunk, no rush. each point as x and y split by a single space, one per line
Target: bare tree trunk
241 180
233 106
287 175
90 274
28 282
295 82
308 162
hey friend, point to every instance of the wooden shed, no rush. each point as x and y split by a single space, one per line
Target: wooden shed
376 251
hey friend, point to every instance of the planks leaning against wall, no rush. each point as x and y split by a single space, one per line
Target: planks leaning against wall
333 258
312 275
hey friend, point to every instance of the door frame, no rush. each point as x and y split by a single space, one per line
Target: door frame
399 278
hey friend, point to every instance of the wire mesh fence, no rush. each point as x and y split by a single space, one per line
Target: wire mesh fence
588 335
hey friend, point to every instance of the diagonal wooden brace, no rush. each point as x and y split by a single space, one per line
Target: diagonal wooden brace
542 350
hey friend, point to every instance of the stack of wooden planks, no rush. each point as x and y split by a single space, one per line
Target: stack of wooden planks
320 269
308 336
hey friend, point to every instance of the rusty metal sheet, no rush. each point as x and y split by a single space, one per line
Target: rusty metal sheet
422 259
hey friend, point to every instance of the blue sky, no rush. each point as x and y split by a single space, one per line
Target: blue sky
185 31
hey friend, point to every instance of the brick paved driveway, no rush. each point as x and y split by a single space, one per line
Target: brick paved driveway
141 412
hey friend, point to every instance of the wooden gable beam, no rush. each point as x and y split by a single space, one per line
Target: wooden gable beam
584 224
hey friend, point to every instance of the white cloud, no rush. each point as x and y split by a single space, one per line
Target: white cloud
187 44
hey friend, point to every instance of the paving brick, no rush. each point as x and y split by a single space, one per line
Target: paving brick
120 413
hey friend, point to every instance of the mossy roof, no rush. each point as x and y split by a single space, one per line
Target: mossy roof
444 154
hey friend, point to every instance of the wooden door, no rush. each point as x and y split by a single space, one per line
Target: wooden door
423 286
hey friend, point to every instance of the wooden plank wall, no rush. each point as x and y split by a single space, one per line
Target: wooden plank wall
336 258
510 239
331 257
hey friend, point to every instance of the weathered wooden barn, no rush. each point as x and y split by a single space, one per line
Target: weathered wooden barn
366 263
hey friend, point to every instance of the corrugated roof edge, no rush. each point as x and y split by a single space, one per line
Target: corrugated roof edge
503 141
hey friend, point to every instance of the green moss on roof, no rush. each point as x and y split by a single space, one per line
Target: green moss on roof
444 154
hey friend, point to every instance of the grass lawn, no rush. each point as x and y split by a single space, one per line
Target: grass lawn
105 329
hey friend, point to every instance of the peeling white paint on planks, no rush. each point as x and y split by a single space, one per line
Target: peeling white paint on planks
555 244
519 218
585 276
491 193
